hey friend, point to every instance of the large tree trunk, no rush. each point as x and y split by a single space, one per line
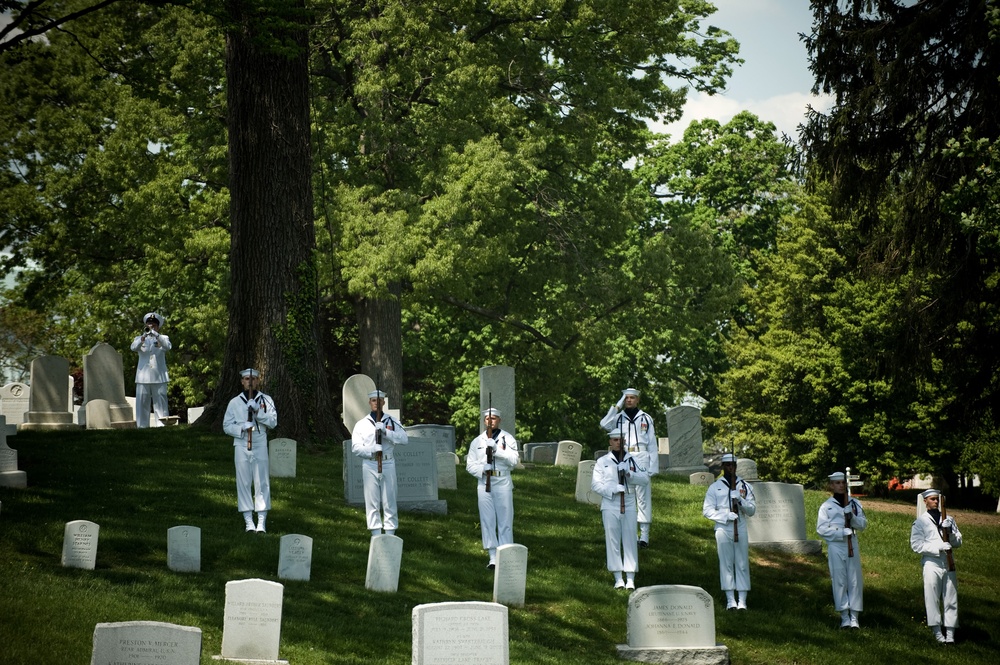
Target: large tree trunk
273 306
380 329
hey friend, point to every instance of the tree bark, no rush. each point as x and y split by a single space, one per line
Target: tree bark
380 325
273 304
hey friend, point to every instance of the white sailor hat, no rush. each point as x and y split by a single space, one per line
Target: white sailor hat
926 494
376 393
729 457
154 315
249 372
630 391
491 412
615 434
837 475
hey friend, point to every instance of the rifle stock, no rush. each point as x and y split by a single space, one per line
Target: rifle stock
847 515
378 432
489 449
946 535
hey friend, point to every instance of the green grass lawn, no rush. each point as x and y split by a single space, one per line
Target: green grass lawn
137 484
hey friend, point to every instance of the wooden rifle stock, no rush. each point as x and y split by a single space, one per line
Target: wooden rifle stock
378 432
946 535
489 448
621 481
249 419
734 506
848 513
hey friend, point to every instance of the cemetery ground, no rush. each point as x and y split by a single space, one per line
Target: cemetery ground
137 484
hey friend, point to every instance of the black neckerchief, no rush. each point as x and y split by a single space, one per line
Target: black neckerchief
841 499
935 514
631 413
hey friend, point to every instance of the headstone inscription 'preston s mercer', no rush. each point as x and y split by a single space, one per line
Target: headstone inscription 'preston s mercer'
510 575
146 643
460 633
385 555
295 557
780 520
672 623
184 549
80 544
281 455
252 626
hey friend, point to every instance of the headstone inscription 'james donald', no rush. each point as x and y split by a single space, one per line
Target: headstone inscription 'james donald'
80 544
780 520
584 481
295 557
443 436
672 623
385 556
568 453
496 389
184 549
460 633
416 478
511 575
252 626
146 643
282 454
104 379
50 401
14 398
684 439
10 476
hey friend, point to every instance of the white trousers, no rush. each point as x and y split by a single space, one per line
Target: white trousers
150 397
252 467
940 585
619 538
845 577
380 494
496 512
734 558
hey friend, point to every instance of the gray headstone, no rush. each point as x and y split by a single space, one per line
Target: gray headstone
146 643
194 413
443 436
355 399
447 476
416 478
98 414
568 453
385 555
780 519
14 398
584 480
80 544
510 575
496 388
104 379
544 454
527 448
282 454
295 557
671 615
746 468
703 478
184 549
50 402
685 443
252 626
460 633
10 476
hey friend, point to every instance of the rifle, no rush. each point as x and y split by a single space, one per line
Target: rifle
250 417
378 432
619 456
734 504
847 514
489 449
946 535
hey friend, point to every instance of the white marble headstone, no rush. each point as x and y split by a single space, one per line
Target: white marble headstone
145 643
703 478
10 476
252 626
447 476
385 555
496 389
510 575
416 477
104 379
584 481
98 414
460 633
80 544
194 413
671 615
282 455
684 432
14 398
50 400
568 453
184 549
443 436
354 396
295 557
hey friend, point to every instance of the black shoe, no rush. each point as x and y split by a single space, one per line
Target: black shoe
643 544
491 566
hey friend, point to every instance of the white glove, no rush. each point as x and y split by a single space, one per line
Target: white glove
380 426
378 447
734 494
620 488
487 467
848 531
623 466
732 517
248 425
946 547
620 403
947 523
491 443
253 405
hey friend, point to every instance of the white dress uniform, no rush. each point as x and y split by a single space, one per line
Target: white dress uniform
639 439
380 488
619 528
734 557
250 449
151 375
496 507
845 571
939 583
